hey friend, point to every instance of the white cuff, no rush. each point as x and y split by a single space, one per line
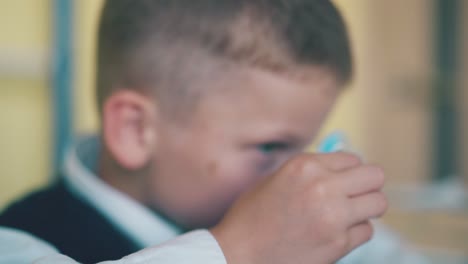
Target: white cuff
17 246
196 247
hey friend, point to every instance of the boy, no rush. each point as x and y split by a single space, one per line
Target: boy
206 106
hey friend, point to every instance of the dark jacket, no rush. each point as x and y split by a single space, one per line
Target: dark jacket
74 227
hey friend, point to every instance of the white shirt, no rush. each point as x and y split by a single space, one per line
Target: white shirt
197 247
139 223
162 239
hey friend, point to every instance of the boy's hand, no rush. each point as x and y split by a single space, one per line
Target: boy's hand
315 209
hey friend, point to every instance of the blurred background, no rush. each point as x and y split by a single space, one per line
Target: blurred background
407 108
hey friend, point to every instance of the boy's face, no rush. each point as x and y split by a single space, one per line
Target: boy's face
250 124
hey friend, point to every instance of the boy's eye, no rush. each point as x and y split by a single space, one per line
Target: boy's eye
270 147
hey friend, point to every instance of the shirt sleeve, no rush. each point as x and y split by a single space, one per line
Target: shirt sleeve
20 247
196 247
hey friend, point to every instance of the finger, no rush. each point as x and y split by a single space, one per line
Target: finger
360 180
367 206
338 161
359 234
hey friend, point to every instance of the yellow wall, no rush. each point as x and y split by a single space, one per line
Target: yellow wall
86 21
24 96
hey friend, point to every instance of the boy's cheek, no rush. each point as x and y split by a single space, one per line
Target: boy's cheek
234 178
249 173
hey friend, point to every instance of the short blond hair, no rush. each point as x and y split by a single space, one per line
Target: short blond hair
166 44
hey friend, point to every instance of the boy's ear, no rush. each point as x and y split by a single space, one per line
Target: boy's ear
129 129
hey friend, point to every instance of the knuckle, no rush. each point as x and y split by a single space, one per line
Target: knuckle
292 168
296 163
319 190
310 166
305 165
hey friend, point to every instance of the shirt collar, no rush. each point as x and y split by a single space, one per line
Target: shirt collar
141 224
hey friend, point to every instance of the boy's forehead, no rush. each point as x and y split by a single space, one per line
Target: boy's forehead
269 101
254 81
237 97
